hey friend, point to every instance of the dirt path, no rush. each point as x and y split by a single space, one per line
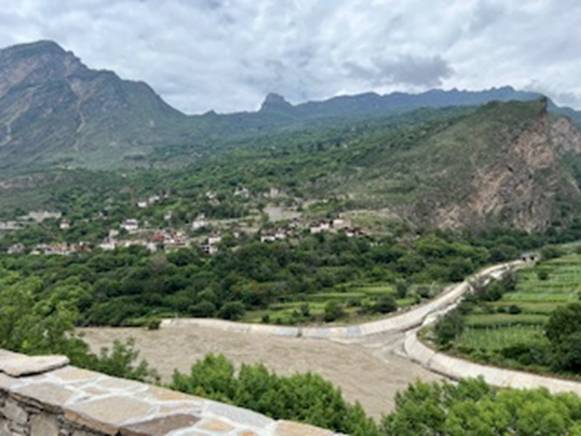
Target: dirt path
359 369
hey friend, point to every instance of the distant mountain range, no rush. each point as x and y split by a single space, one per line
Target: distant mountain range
56 111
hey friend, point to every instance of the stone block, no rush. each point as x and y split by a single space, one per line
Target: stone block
108 414
287 428
43 424
50 396
159 426
14 412
23 366
72 374
215 426
238 415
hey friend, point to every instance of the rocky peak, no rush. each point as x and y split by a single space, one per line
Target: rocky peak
275 102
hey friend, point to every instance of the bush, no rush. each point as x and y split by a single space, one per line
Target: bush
449 328
153 323
401 288
300 397
513 309
333 311
233 311
542 275
564 333
204 309
550 252
385 304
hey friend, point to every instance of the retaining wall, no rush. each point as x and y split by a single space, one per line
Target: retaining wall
456 369
44 396
395 323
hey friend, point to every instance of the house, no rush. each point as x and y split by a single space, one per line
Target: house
131 225
530 257
168 216
267 238
200 222
321 226
108 245
153 199
142 204
280 235
65 224
16 249
242 192
213 240
211 245
340 223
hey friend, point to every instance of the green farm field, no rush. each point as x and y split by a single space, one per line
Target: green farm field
352 300
519 316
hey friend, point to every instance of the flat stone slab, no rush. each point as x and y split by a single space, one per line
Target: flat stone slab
108 414
48 394
24 366
288 428
159 426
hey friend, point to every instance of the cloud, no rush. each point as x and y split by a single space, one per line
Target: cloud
227 54
403 70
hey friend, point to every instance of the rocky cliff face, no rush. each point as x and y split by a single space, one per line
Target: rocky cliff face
524 181
53 107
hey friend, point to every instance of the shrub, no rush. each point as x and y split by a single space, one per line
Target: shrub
385 304
449 328
333 311
542 275
233 311
153 323
204 309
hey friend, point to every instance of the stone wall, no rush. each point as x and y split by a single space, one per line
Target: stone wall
44 396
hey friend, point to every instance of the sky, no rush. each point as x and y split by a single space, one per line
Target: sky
226 55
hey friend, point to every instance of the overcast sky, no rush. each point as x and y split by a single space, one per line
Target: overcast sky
227 54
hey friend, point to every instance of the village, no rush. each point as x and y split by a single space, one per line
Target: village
277 224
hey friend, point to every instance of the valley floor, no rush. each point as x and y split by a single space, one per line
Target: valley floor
358 369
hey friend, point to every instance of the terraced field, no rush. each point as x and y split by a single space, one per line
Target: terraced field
518 317
352 300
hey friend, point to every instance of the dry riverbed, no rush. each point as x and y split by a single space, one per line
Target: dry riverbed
364 374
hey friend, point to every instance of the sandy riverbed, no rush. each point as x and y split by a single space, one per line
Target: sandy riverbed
366 374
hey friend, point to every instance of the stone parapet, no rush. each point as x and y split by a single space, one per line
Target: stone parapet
45 396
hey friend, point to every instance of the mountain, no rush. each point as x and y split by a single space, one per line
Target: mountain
503 164
53 109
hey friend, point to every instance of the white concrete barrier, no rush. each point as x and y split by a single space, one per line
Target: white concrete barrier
395 323
456 369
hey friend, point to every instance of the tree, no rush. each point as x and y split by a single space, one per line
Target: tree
233 310
474 408
449 328
300 397
401 288
564 333
385 304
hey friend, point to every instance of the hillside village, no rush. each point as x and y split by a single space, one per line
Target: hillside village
274 223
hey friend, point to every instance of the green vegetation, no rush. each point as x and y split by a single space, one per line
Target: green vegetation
301 397
470 407
529 320
285 282
473 408
34 322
